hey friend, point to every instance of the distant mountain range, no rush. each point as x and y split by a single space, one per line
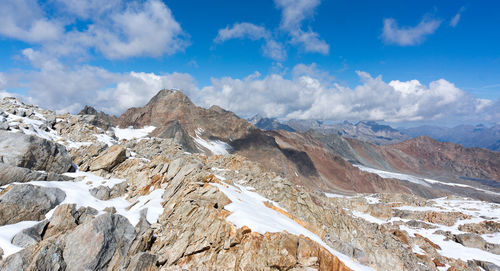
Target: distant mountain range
368 131
466 135
380 134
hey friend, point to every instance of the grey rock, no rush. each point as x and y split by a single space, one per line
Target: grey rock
47 255
488 266
93 245
50 120
4 125
471 240
10 174
101 192
33 152
118 190
86 214
27 202
30 236
143 261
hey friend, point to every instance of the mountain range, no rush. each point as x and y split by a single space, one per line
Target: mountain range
370 131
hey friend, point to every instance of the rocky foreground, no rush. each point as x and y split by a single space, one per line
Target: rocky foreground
79 194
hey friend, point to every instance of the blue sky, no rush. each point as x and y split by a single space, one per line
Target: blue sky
310 59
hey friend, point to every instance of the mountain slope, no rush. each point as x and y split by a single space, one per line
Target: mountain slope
200 127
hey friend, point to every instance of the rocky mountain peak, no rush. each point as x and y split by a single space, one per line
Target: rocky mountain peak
170 98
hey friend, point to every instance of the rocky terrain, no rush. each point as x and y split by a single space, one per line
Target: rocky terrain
181 190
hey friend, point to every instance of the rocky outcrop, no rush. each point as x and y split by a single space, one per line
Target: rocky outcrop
27 202
109 158
33 152
98 118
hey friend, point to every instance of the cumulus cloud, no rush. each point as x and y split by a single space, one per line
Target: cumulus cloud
271 47
69 88
293 14
147 30
25 20
404 36
307 95
304 93
116 29
454 21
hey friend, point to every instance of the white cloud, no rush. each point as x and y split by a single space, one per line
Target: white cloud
295 11
309 93
454 21
67 89
87 9
293 14
310 41
270 48
24 20
242 30
147 30
404 36
116 29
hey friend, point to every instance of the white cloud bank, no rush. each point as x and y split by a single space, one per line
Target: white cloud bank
407 35
306 93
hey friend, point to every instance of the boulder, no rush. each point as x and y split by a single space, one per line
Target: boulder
11 174
46 255
101 192
29 151
109 158
27 202
93 245
30 236
471 240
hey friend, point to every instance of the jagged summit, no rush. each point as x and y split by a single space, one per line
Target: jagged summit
269 124
172 105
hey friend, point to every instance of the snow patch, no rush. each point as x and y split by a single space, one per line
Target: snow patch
247 209
387 174
7 232
131 133
214 146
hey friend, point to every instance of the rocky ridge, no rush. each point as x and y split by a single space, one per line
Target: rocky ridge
145 203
